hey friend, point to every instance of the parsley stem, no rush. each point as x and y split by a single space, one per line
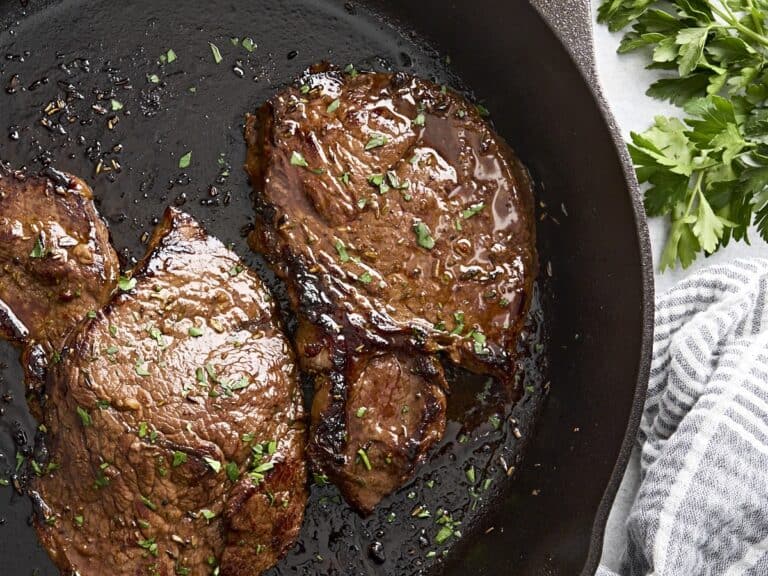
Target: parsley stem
734 23
696 193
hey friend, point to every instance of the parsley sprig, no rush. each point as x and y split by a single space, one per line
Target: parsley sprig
709 171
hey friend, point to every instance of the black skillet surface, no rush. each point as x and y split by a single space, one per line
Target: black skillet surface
548 518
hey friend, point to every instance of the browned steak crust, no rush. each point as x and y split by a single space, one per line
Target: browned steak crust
176 425
404 227
56 262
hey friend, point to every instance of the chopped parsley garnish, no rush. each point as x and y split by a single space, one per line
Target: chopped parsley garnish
141 368
185 160
423 236
342 250
248 437
213 464
85 417
376 141
305 88
249 44
216 53
472 211
79 521
420 512
495 422
380 182
394 181
420 119
470 474
263 467
38 250
320 479
458 318
179 458
298 160
113 330
170 56
365 277
443 534
148 503
333 106
235 270
364 459
153 78
195 331
361 412
149 545
157 336
116 105
233 471
112 350
482 110
351 71
479 343
207 514
362 202
91 314
345 178
143 429
126 284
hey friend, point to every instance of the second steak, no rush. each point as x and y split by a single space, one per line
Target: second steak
403 226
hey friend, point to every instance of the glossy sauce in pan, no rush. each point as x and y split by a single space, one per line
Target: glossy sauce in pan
62 64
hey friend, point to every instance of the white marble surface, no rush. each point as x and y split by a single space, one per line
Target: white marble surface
624 80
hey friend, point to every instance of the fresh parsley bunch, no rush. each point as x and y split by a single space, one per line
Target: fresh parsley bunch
708 172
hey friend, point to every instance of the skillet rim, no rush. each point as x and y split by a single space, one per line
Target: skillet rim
571 22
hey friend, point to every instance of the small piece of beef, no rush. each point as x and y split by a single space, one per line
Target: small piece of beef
403 226
176 424
372 437
56 262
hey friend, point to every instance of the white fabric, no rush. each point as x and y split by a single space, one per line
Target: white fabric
702 504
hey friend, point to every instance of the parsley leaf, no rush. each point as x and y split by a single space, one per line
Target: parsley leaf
297 159
126 284
376 141
423 236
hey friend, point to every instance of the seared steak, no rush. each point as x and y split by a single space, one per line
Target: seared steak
56 262
403 226
176 425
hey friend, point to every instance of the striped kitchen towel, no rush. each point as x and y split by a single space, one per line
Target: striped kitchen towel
702 505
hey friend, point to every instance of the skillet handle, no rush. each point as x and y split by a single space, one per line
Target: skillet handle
571 20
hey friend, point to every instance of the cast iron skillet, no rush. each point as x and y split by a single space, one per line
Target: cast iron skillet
590 330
